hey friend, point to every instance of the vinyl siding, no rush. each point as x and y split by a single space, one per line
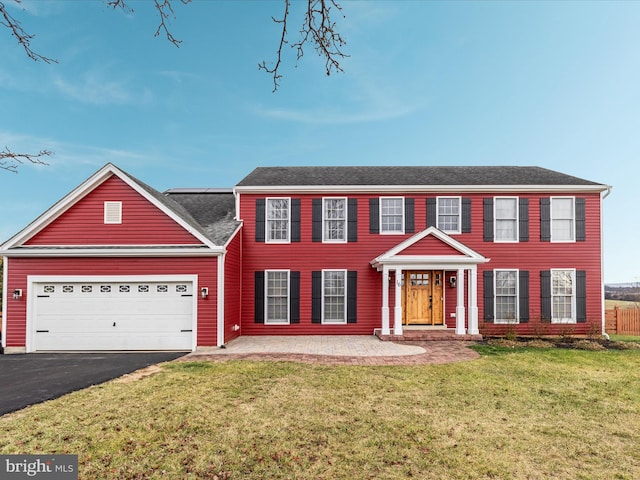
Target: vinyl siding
206 269
233 287
142 222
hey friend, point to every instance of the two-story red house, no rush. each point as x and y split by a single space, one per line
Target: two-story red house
307 250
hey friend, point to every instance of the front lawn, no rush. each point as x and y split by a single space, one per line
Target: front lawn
516 413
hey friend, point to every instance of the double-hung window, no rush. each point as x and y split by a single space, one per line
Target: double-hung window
391 215
449 214
506 296
334 296
277 296
334 219
563 296
506 219
562 219
278 220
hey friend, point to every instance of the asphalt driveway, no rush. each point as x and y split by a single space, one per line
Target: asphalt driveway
36 377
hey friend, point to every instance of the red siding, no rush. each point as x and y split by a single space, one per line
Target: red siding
19 268
233 287
430 246
307 256
142 222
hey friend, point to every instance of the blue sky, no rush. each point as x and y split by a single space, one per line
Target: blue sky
552 84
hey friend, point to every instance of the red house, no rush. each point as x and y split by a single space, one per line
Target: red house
117 265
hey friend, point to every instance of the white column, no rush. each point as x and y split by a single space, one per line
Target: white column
460 310
473 301
397 311
385 301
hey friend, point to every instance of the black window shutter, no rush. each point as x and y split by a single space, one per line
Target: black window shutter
294 297
581 234
352 220
374 215
352 296
581 296
316 297
487 207
545 220
524 219
545 295
259 297
524 296
432 216
466 215
316 219
295 219
488 296
260 219
409 215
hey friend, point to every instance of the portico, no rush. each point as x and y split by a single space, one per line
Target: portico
415 272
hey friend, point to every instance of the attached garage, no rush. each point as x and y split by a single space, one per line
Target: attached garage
112 313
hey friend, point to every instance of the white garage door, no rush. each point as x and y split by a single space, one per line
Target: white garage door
135 315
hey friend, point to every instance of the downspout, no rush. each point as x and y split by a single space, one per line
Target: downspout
603 195
3 312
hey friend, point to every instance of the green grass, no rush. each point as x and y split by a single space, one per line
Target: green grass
516 413
624 338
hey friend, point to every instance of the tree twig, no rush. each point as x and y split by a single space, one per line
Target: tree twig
24 38
11 161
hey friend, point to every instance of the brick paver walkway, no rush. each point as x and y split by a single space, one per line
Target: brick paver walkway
338 350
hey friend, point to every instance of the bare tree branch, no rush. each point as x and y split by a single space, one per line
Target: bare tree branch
11 161
24 38
319 30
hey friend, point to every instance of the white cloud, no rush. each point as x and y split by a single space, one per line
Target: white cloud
94 88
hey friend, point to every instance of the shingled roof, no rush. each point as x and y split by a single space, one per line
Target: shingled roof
416 175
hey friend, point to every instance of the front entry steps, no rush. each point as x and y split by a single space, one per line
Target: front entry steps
426 335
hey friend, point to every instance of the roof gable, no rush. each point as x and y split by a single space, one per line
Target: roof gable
77 219
431 245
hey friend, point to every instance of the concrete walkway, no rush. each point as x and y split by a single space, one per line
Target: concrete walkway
337 350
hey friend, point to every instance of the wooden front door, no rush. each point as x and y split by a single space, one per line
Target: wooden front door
422 300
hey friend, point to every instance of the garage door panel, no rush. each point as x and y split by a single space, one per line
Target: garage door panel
136 315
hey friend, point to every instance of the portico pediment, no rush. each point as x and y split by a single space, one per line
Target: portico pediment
429 247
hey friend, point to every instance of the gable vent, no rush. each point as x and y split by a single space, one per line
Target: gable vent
112 212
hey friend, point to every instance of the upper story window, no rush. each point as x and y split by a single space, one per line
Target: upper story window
506 219
334 219
562 219
112 212
391 215
449 214
278 220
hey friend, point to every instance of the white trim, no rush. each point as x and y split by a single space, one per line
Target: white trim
266 221
573 319
402 222
497 320
373 189
495 219
266 297
449 232
80 192
345 296
220 301
31 297
346 219
573 213
3 312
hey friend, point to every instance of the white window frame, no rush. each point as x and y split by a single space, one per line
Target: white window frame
438 199
402 221
325 220
344 296
573 220
554 317
505 321
496 220
267 220
267 320
112 213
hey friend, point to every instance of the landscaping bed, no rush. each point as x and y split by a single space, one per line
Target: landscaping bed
576 343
